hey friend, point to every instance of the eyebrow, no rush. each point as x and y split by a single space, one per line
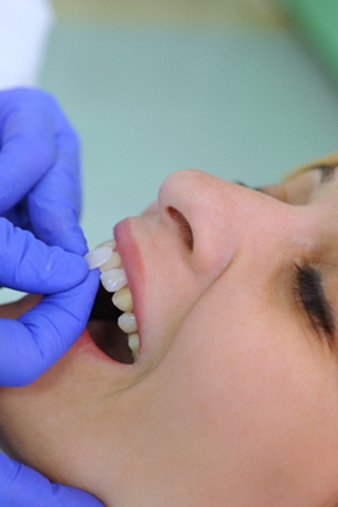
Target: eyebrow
326 175
258 189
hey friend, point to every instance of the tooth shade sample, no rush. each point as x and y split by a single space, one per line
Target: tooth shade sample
134 344
112 263
122 299
98 256
127 323
113 279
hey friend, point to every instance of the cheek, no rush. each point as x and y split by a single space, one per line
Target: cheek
250 392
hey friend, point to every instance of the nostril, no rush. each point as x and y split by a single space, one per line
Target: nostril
183 225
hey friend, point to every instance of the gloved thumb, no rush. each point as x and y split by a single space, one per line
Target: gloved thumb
28 265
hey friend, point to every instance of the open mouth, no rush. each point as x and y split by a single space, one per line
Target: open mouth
112 323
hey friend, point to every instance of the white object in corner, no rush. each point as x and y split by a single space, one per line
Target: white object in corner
24 27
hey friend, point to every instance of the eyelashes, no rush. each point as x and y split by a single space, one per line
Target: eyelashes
258 189
326 173
309 292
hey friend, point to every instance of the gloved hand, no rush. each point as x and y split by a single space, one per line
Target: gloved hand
40 191
40 188
33 342
21 486
30 344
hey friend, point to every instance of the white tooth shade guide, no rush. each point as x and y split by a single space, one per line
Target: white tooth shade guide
113 279
98 256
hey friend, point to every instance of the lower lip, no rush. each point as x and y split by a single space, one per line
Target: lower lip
86 345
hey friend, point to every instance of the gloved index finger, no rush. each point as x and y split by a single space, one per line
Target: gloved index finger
29 265
55 202
27 151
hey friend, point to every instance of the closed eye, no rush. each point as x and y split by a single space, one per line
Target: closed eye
309 291
307 282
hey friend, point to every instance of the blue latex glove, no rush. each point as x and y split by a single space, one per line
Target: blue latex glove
33 342
40 187
40 191
21 486
30 344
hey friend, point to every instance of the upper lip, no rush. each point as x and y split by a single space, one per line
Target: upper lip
129 250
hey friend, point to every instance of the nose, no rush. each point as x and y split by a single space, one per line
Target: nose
223 217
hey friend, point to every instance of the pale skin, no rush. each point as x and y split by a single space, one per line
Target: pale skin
234 399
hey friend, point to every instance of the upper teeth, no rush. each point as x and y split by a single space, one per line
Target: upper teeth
113 262
113 279
122 299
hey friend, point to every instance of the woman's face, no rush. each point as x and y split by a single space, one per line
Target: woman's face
234 398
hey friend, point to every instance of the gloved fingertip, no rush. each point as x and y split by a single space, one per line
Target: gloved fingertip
69 238
72 241
63 270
